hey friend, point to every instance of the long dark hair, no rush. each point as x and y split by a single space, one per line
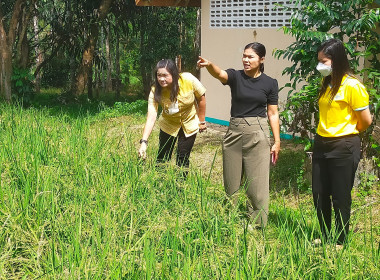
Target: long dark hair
259 49
334 50
170 66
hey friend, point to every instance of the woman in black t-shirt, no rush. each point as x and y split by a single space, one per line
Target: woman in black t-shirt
246 145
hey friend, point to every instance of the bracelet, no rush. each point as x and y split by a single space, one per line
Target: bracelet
204 122
143 141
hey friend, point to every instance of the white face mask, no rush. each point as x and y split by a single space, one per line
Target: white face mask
325 70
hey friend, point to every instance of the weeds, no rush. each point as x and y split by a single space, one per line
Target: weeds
77 202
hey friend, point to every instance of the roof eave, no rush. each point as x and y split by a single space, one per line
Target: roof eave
169 3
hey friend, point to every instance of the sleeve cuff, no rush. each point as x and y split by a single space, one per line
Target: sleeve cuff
361 108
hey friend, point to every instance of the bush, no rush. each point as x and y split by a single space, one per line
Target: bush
22 85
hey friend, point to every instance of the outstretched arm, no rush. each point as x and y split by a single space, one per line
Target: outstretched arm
150 121
213 69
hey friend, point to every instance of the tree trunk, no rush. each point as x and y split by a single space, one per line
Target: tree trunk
7 40
98 81
1 75
84 68
109 60
104 78
6 64
145 72
88 54
39 58
23 50
22 53
89 84
117 66
102 75
6 70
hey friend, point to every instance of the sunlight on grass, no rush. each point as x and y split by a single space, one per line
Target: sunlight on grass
77 203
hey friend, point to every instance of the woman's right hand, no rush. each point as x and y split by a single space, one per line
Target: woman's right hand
142 150
202 62
214 70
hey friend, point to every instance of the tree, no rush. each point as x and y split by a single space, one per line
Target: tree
176 30
61 44
10 14
88 54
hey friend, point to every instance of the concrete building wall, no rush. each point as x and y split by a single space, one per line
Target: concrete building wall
224 47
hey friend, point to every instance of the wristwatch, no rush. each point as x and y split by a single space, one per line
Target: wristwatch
143 141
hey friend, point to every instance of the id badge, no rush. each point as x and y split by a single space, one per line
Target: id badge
173 108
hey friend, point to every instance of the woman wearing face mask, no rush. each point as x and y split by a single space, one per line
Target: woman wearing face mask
183 102
246 145
343 113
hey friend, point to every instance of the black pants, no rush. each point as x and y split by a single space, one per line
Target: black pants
335 160
166 147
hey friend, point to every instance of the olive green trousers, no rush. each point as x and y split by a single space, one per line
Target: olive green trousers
246 163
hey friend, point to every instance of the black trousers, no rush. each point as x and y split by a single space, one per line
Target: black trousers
335 160
166 147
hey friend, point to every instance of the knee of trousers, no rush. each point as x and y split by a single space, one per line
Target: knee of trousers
258 191
260 200
344 206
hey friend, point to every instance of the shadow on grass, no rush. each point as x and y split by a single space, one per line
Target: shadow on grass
58 104
208 140
296 222
292 172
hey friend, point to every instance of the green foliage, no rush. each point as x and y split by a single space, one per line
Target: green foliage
22 85
56 73
138 108
368 184
175 28
130 73
143 35
312 22
376 149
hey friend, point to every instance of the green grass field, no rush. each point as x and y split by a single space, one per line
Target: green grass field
77 203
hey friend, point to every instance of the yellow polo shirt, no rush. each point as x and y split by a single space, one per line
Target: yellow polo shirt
190 90
338 117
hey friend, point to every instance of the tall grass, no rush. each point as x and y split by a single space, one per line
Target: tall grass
77 203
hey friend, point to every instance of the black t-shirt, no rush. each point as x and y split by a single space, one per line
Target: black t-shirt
250 96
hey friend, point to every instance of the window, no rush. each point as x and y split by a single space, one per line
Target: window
249 14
